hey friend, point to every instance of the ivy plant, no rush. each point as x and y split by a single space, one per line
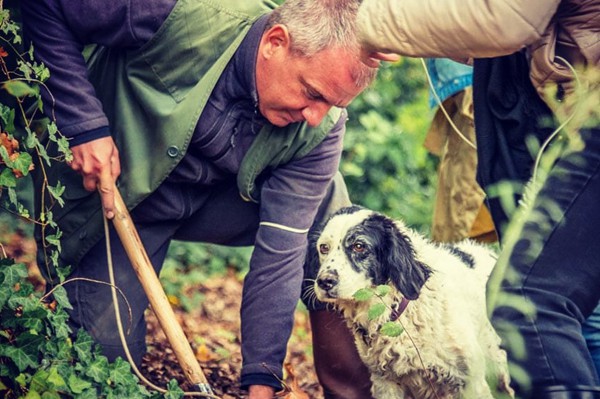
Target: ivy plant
40 357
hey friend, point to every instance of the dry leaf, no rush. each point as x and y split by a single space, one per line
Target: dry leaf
204 354
293 390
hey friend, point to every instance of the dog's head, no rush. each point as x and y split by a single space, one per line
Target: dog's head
358 248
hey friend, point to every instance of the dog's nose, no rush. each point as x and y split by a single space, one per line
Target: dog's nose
327 281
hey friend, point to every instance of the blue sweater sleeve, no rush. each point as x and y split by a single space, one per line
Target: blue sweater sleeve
59 31
290 199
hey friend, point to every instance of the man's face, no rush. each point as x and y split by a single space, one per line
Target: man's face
292 88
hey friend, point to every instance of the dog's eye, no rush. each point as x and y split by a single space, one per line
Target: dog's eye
324 249
358 247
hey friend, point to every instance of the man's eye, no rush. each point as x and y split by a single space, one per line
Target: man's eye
324 249
313 95
358 247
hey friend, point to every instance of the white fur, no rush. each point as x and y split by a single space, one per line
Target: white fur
448 344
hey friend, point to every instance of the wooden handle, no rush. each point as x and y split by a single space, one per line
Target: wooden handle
156 295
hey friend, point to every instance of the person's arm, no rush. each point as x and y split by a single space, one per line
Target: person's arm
453 28
59 30
290 198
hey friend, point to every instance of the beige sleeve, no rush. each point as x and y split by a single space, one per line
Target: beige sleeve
453 28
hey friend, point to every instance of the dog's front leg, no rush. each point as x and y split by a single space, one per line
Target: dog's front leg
385 388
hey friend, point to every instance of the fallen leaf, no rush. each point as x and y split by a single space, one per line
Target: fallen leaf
292 387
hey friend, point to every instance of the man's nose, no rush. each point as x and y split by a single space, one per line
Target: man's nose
314 113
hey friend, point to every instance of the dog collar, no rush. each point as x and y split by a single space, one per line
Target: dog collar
398 309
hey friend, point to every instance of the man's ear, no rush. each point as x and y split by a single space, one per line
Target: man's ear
275 39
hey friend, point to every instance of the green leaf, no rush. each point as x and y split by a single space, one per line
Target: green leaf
7 178
60 294
7 115
364 294
83 345
32 394
391 329
21 358
59 323
376 310
14 274
78 385
383 290
55 379
51 395
34 320
173 390
56 192
98 369
53 239
120 372
90 393
22 163
22 379
18 88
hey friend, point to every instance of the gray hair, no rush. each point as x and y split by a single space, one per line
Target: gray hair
315 25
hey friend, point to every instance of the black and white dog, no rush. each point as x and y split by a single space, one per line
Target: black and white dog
447 347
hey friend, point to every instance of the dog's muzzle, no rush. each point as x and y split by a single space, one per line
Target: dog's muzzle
327 283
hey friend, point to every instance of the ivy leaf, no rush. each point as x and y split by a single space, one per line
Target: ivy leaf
376 310
32 394
98 369
120 372
22 359
55 379
364 294
53 239
78 385
5 293
18 88
60 294
59 322
173 390
34 320
7 178
89 393
56 192
391 329
7 115
83 345
63 147
14 274
23 163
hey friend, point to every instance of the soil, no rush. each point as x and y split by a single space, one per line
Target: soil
213 330
214 333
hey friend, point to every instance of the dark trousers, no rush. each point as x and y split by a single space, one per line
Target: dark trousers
555 265
184 212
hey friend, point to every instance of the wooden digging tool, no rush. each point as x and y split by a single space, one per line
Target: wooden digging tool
157 297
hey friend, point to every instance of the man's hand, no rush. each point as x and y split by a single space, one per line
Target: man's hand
374 58
261 392
98 162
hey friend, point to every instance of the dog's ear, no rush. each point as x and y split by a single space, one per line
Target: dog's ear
405 271
311 264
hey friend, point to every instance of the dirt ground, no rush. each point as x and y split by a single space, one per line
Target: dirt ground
214 332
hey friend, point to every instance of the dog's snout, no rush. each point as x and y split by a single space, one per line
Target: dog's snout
327 281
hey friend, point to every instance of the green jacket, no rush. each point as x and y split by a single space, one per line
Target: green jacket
153 105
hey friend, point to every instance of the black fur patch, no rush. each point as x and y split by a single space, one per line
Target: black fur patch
388 255
464 257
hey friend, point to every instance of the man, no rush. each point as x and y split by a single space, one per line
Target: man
194 105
